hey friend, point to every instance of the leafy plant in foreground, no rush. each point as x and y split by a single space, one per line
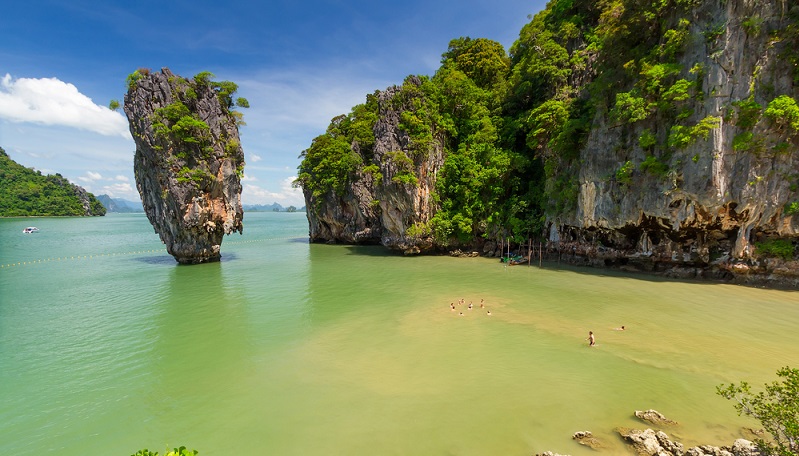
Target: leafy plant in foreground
777 409
182 451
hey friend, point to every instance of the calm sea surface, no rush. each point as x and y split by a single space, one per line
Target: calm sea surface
108 346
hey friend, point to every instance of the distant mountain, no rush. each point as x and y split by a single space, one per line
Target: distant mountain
274 207
120 205
26 192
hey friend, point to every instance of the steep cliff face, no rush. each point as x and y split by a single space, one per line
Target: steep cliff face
650 136
188 161
699 206
91 205
387 196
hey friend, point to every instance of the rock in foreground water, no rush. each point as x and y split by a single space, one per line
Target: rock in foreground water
189 161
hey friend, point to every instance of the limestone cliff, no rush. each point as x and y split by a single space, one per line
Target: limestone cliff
188 161
380 205
90 204
715 196
649 136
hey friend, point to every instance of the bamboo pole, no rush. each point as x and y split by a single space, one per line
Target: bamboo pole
529 251
540 254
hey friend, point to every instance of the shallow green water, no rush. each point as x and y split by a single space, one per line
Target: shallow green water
108 346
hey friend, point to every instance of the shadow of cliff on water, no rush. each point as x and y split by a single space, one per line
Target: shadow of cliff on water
642 276
201 335
167 259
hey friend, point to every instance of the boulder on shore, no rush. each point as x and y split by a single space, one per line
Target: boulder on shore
586 438
654 417
649 442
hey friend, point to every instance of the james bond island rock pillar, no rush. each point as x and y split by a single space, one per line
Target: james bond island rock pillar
189 161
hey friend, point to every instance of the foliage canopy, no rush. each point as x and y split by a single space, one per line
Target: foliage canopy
776 407
25 192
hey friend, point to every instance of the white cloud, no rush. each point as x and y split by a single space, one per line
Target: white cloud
90 177
248 178
307 99
49 101
255 158
286 196
119 190
122 178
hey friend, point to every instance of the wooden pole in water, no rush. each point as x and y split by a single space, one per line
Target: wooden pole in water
529 251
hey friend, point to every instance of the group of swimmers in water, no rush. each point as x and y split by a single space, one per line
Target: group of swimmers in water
463 301
592 340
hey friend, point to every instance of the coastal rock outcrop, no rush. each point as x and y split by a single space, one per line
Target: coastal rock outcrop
707 206
388 197
654 417
672 156
649 442
586 438
189 161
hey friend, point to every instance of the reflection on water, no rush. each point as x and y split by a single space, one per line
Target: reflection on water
286 347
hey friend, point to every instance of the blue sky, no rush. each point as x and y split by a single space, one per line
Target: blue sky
298 63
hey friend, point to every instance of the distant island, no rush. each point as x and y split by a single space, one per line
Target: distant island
25 192
120 205
274 207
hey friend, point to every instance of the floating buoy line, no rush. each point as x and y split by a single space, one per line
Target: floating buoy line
136 252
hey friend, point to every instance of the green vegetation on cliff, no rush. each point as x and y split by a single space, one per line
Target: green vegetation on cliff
25 192
331 161
178 126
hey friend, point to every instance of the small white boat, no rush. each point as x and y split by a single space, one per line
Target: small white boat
30 229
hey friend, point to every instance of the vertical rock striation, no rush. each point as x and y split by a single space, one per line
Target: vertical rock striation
188 161
378 206
719 194
662 138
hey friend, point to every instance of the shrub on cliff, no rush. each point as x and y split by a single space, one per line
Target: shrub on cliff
330 164
777 409
781 248
784 111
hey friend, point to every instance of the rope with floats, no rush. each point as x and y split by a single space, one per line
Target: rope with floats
136 252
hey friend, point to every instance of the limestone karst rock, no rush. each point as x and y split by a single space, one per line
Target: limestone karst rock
669 147
188 161
379 206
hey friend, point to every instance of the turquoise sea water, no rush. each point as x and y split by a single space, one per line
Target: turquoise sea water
108 346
